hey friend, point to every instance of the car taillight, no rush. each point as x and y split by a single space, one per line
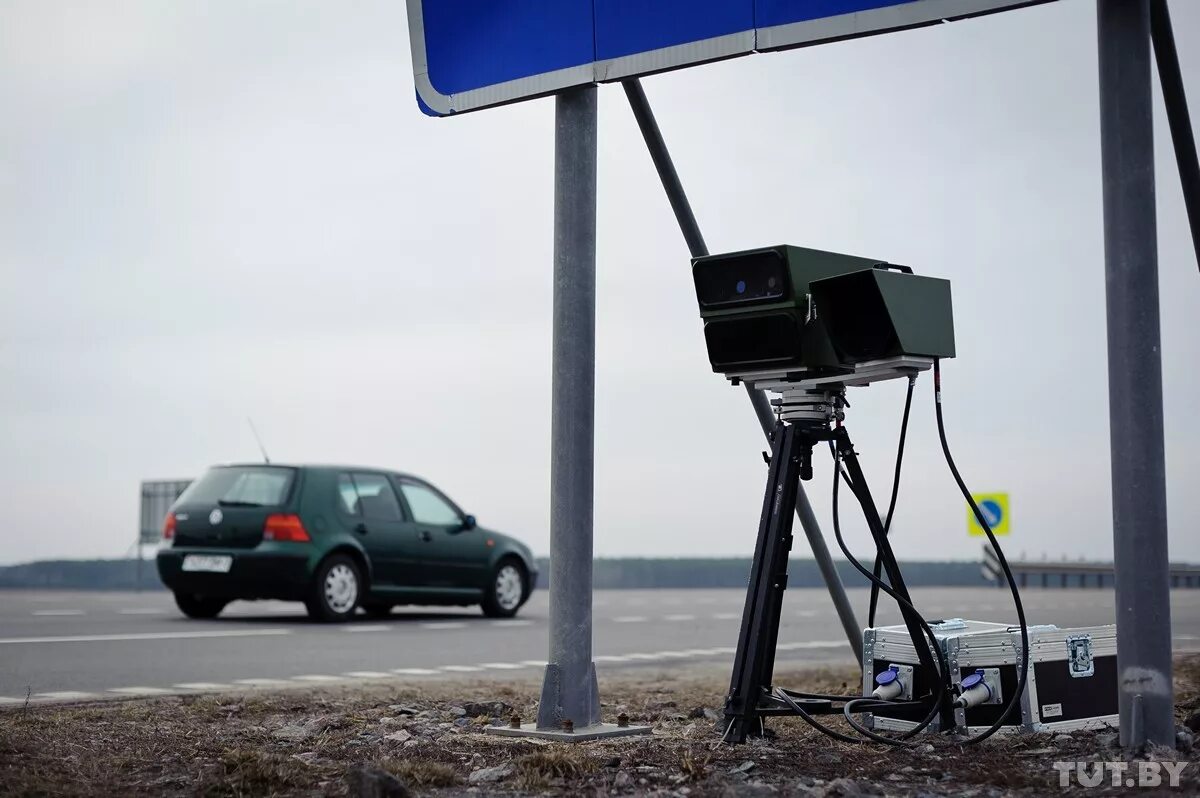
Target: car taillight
285 526
169 526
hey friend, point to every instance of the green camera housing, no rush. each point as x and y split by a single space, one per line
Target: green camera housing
786 308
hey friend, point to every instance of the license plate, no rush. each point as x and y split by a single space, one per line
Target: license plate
209 563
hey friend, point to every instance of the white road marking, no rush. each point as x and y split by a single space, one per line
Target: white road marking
810 644
535 663
610 658
673 654
147 636
727 616
443 625
201 686
57 612
461 668
502 666
414 671
367 674
6 700
140 690
514 622
141 611
367 628
643 656
64 695
317 677
262 682
630 619
679 617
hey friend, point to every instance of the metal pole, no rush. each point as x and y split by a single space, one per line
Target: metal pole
758 400
1134 375
569 691
1171 79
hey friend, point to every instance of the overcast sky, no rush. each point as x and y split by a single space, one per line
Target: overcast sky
210 211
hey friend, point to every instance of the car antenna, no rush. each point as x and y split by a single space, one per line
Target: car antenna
261 448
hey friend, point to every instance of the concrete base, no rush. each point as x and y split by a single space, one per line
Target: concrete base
599 731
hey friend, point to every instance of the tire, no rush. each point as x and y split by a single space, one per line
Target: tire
376 610
336 590
506 590
194 606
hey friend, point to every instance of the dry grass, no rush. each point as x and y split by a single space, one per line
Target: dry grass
305 743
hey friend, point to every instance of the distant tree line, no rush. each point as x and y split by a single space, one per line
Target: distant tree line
609 573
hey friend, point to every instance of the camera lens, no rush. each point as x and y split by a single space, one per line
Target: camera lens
771 282
741 286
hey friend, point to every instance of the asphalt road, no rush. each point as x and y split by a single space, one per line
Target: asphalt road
66 646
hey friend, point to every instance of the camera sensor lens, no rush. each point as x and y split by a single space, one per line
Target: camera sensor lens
741 286
771 282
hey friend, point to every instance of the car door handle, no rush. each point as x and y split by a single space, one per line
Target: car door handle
426 535
361 528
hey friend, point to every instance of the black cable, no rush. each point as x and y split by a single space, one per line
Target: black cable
1012 583
811 721
847 713
887 524
935 649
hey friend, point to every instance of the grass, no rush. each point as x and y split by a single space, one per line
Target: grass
229 746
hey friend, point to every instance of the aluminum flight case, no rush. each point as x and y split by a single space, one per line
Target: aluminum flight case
1072 683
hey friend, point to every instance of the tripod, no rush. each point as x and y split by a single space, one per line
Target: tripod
805 420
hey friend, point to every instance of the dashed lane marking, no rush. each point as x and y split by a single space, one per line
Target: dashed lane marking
63 695
367 674
535 663
379 627
57 612
318 677
677 618
502 666
139 690
630 619
146 636
415 671
461 668
727 616
140 611
262 682
810 644
201 686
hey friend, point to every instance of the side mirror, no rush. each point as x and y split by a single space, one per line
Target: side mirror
468 523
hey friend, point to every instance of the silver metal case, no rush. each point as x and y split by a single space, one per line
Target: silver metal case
1072 683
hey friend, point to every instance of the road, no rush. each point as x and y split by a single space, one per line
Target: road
68 646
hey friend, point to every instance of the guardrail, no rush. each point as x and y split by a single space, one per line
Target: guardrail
1072 574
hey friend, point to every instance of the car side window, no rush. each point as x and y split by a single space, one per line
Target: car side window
376 498
348 496
427 506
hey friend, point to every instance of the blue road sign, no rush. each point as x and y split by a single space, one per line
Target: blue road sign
472 54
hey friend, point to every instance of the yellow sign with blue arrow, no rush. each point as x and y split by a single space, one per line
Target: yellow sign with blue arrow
994 509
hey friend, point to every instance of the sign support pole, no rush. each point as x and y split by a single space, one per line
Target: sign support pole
570 691
1135 375
762 408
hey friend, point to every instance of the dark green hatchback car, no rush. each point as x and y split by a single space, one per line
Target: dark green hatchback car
336 538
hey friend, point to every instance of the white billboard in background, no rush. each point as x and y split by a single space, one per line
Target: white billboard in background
157 497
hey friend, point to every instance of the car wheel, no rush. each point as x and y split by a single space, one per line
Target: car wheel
376 610
506 590
335 591
194 606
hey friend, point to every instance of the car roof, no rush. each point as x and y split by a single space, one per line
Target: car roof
323 467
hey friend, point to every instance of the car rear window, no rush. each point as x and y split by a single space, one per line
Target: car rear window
245 486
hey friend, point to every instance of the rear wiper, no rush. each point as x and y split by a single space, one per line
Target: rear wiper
234 503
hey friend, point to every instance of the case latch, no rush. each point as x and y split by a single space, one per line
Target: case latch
1079 656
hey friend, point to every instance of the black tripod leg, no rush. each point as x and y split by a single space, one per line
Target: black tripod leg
888 557
754 663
